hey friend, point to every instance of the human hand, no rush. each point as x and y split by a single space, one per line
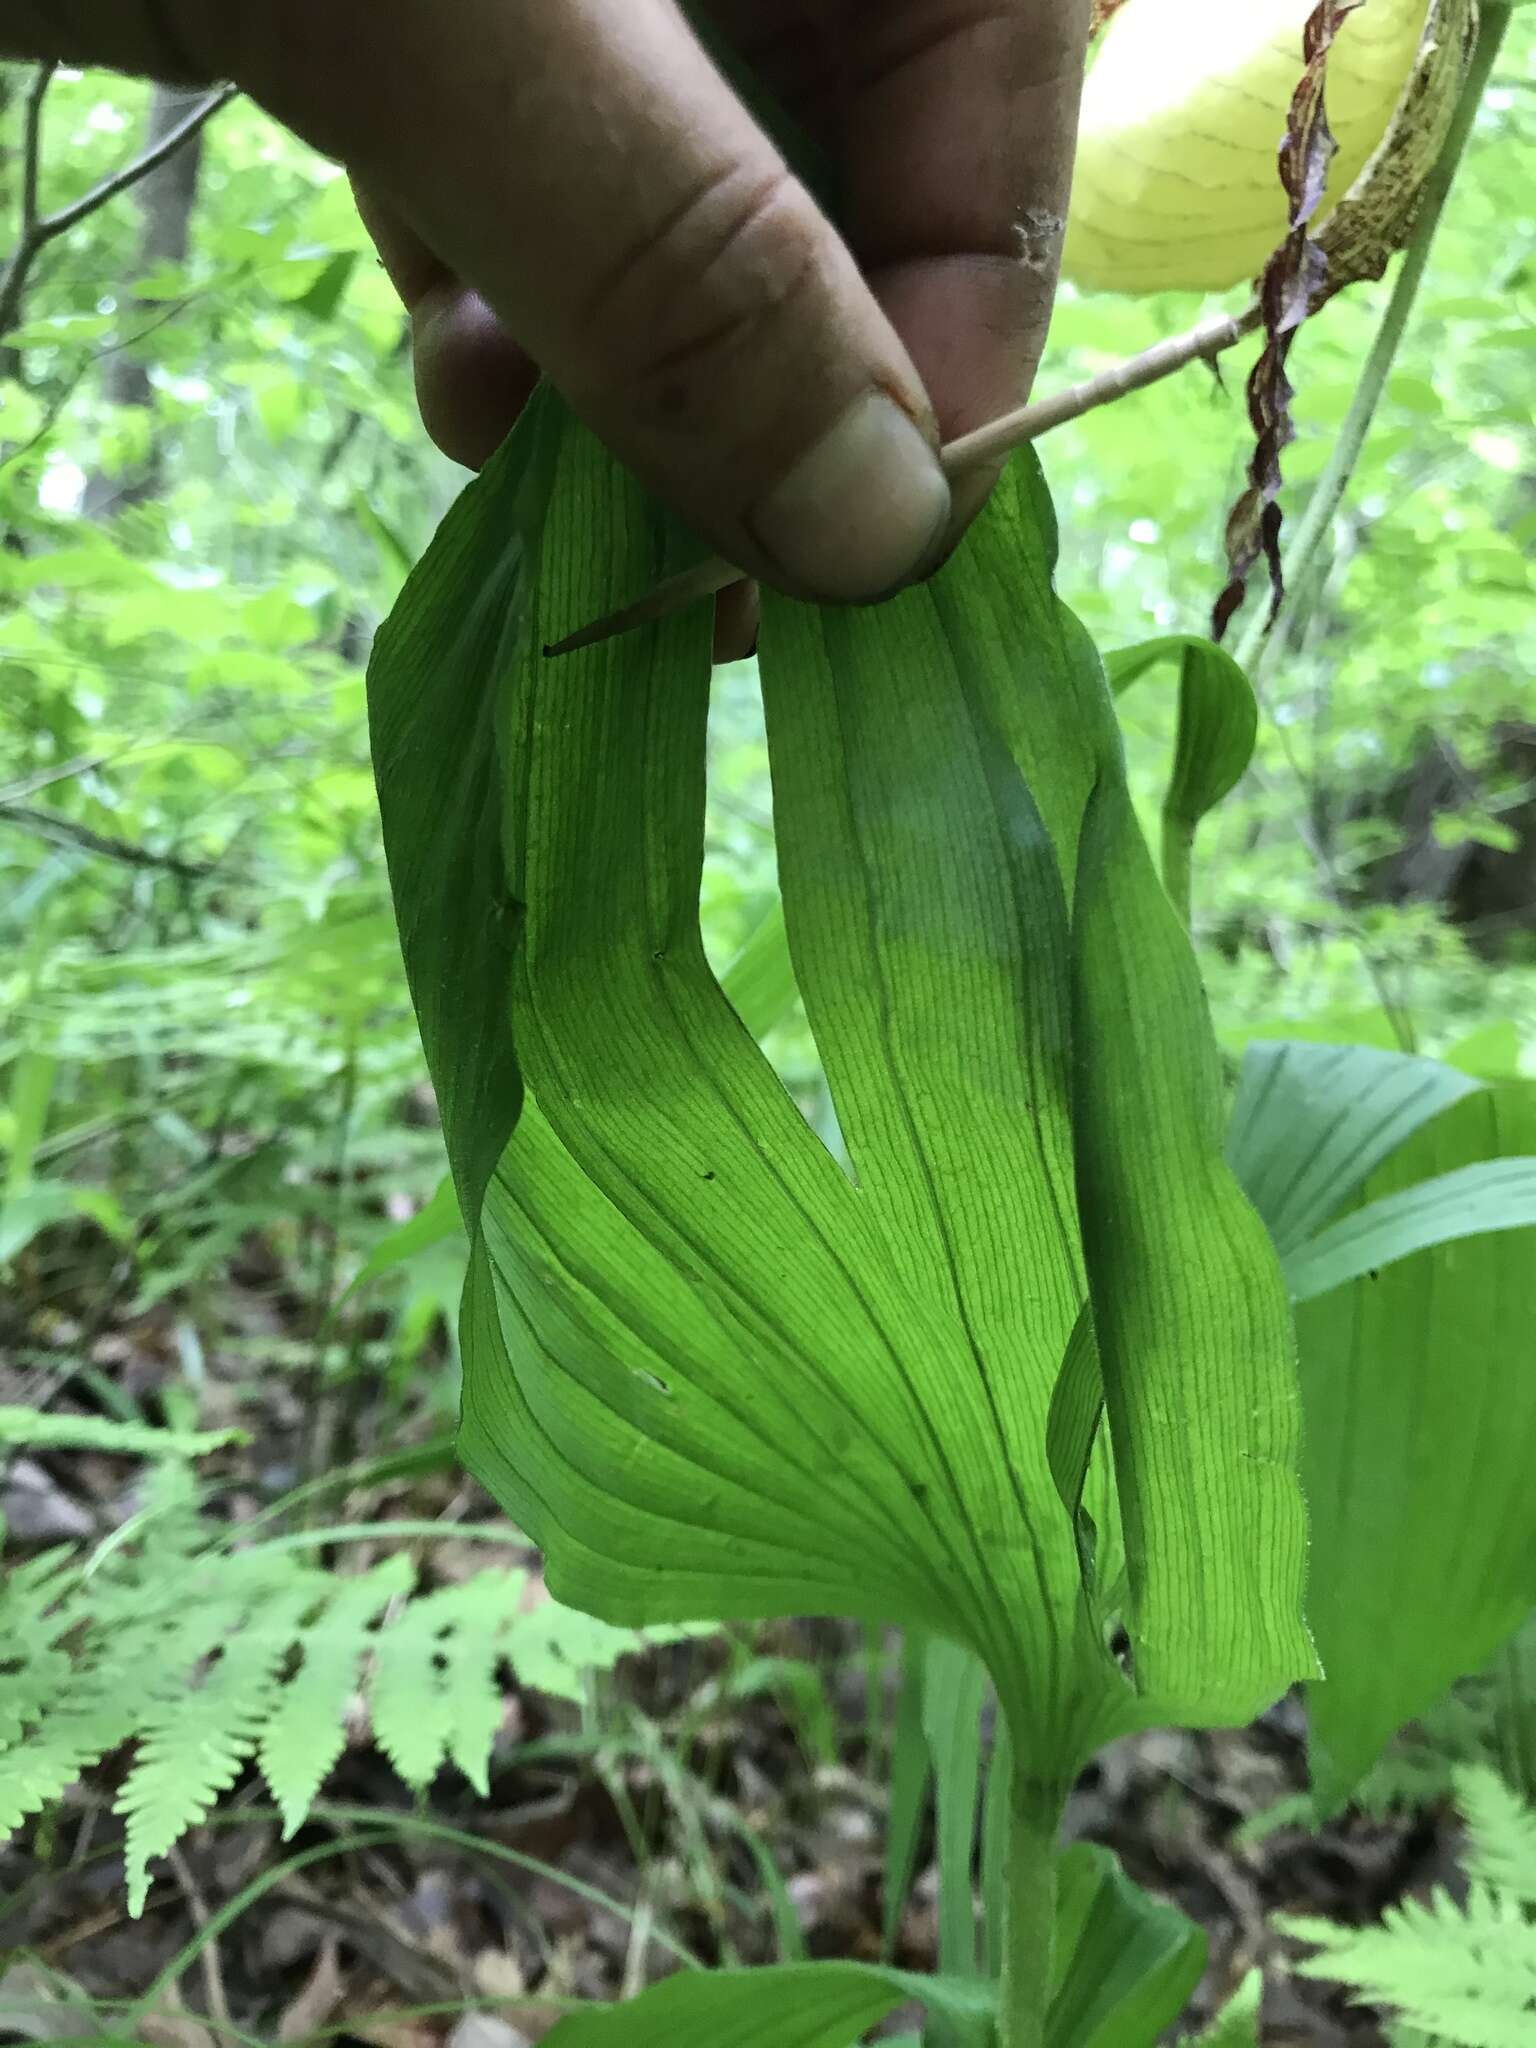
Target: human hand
570 183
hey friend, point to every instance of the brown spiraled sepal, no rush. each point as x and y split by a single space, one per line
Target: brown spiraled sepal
1294 284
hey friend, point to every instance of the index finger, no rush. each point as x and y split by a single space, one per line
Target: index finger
959 128
953 125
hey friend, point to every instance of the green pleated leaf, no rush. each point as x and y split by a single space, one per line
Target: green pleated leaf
954 1688
909 1778
1311 1121
1490 1195
710 1372
927 758
1420 1400
797 2005
714 1391
435 704
955 752
1190 1312
760 981
1218 725
1125 1964
434 1223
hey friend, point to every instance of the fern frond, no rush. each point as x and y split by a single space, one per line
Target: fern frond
481 1612
1467 1974
1461 1976
1502 1831
193 1743
1237 2024
306 1729
34 1671
433 1691
37 1770
555 1648
40 1575
205 1657
39 1430
1419 1769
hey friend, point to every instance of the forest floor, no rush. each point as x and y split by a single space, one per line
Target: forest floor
685 1805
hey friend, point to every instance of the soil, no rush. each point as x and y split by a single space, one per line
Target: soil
667 1798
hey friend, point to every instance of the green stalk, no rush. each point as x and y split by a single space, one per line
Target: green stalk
1179 866
1025 1995
1302 559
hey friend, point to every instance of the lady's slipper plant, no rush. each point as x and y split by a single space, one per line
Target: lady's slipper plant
1023 1376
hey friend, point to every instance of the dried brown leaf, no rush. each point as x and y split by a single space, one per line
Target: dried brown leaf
1102 10
1293 285
317 1998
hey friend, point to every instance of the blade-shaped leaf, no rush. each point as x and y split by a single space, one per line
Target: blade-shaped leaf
433 1224
760 980
1125 1964
1218 723
1190 1314
1419 1388
1311 1121
1489 1195
910 1776
954 1688
958 757
923 756
435 700
708 1371
797 2005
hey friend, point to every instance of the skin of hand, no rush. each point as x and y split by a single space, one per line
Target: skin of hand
572 184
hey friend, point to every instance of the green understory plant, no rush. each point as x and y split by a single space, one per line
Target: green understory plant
709 1371
198 1650
1460 1973
1021 1379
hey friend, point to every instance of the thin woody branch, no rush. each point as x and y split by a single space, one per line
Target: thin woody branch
38 230
124 180
987 444
70 832
32 144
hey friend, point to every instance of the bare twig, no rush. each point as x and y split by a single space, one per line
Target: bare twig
38 230
69 832
1015 429
971 451
197 1906
124 180
32 145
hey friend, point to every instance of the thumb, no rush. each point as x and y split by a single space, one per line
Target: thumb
583 165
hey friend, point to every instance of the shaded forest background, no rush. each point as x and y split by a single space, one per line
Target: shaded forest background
213 1109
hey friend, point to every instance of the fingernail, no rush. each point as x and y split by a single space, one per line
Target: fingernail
861 512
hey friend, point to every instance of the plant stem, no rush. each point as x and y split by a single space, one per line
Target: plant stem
1025 1996
1312 535
1179 867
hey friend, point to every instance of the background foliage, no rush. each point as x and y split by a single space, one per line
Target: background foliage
213 479
213 1117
